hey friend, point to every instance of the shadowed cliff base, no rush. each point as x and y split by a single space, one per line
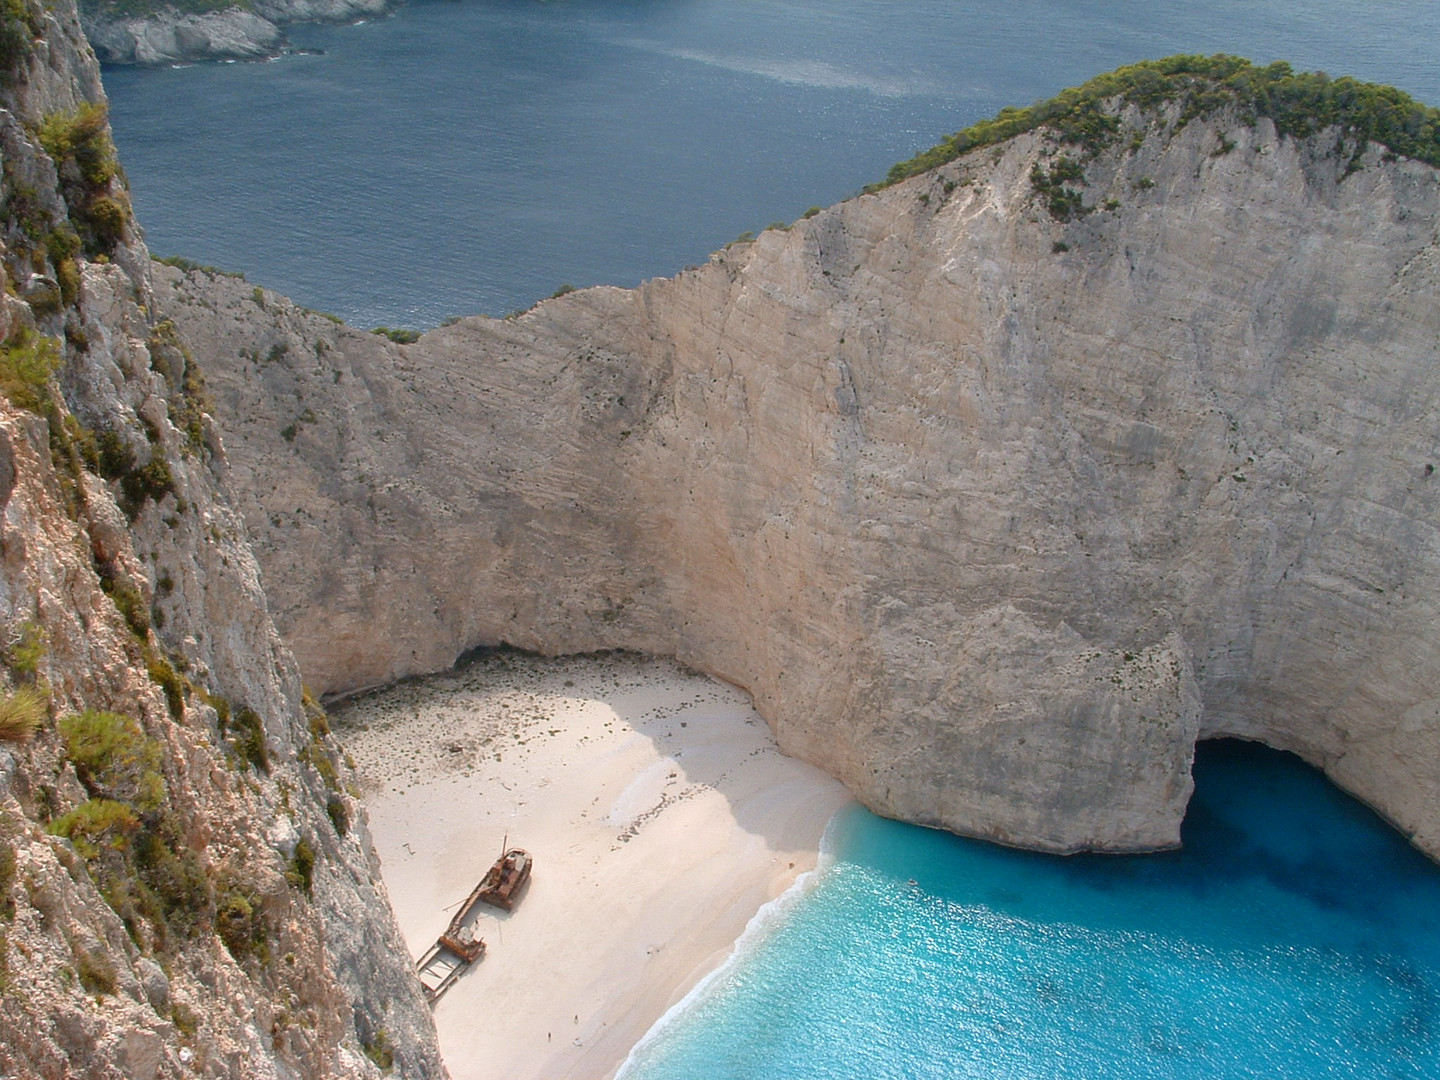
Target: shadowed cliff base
996 488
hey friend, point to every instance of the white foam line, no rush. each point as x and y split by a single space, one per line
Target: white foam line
797 72
755 931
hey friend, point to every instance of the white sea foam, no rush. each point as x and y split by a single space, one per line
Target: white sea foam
813 73
756 930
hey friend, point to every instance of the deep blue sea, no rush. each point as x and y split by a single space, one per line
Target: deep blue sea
1295 936
469 156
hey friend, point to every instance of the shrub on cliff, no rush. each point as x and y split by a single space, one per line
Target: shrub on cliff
114 758
79 144
19 27
27 360
398 334
1298 104
21 714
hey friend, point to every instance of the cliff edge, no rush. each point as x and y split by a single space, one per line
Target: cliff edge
997 487
187 886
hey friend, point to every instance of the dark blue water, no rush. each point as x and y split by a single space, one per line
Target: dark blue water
1295 936
471 156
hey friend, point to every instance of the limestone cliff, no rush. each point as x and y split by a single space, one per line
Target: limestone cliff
186 884
994 513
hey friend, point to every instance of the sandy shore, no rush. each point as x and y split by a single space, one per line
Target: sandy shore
660 815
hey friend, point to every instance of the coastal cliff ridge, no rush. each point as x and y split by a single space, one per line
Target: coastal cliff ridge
997 487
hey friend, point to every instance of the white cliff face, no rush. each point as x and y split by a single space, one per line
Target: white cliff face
193 934
993 515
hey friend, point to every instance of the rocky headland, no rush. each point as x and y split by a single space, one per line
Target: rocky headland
128 32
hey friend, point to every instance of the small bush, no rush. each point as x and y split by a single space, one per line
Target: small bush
26 652
247 737
96 971
164 675
114 758
180 897
402 336
79 143
96 825
81 137
106 216
563 290
377 1049
1063 202
7 879
339 814
128 602
152 481
315 717
27 361
315 755
187 265
240 922
21 714
115 456
17 35
301 871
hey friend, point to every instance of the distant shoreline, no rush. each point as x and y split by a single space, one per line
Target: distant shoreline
201 31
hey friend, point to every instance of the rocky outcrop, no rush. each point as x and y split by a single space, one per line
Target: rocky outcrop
187 887
175 37
250 31
994 514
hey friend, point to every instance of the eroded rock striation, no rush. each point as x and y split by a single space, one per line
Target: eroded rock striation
995 502
187 888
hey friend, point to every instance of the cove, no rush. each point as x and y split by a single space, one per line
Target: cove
470 158
1294 935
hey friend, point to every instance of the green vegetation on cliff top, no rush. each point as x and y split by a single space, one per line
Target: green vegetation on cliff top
1298 104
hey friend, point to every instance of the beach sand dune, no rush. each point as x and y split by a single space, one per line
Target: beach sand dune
660 815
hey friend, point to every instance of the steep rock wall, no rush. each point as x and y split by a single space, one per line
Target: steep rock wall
993 514
186 885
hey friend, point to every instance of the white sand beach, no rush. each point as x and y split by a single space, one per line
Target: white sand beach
658 810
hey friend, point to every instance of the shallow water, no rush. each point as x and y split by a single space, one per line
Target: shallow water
464 158
1294 936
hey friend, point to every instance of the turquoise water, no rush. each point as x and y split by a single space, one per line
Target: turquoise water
1295 936
466 157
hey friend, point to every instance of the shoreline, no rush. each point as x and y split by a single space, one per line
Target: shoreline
661 817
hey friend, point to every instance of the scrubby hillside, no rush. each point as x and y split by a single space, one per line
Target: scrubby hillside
186 884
